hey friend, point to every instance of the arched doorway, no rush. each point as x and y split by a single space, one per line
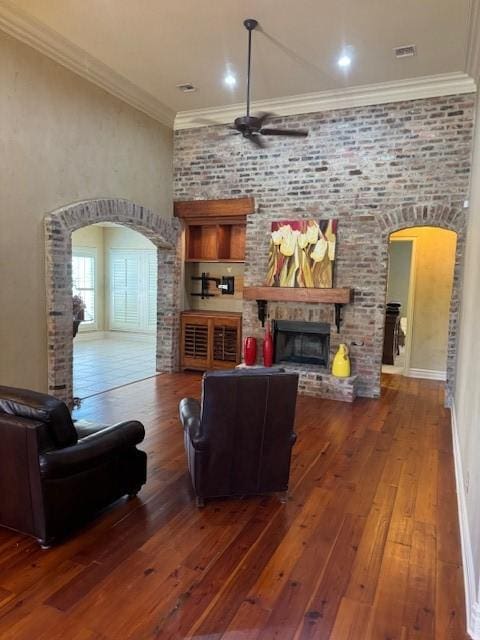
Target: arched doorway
443 217
164 233
420 278
114 277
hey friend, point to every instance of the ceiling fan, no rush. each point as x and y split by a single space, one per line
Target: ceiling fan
252 127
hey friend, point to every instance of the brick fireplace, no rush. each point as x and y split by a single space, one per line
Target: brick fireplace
376 169
301 342
304 347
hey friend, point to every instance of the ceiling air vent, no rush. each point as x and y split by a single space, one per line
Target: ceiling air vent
407 51
187 87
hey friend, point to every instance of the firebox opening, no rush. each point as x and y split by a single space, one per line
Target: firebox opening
302 342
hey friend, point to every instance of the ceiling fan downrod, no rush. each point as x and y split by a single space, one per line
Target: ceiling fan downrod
250 25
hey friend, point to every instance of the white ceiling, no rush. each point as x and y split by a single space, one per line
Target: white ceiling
157 44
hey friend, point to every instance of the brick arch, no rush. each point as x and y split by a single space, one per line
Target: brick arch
444 217
164 233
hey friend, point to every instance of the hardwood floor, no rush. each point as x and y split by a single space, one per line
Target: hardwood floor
367 547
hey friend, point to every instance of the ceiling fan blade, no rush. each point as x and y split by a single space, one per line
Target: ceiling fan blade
298 133
262 116
256 139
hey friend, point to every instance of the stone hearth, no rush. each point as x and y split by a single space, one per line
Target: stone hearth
314 381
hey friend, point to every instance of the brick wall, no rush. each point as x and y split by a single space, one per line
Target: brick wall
377 169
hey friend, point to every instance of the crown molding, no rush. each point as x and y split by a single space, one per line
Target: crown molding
47 41
361 96
472 63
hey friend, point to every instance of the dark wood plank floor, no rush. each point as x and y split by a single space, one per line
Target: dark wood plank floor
367 546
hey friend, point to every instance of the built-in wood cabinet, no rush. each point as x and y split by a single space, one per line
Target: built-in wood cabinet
214 229
215 242
210 340
214 232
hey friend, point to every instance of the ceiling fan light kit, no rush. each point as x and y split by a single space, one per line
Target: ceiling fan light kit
251 127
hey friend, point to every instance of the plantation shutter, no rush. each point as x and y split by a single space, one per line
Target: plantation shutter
133 277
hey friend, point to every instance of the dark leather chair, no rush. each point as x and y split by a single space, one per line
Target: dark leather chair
53 477
239 439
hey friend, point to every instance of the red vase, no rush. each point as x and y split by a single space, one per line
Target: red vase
267 347
250 351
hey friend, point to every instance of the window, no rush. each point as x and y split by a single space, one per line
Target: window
83 280
133 290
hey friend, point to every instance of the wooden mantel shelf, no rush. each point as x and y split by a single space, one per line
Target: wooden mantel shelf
299 294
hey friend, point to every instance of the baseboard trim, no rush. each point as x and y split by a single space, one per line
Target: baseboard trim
472 605
427 374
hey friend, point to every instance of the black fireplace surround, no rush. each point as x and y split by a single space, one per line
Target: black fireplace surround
301 342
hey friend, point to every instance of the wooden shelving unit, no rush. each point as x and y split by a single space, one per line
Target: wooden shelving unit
215 242
214 232
215 229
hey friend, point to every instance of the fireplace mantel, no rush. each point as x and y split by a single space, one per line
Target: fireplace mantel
297 294
262 295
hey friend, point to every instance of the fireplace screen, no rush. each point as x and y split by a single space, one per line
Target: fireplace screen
302 342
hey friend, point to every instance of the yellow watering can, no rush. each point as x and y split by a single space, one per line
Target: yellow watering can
341 362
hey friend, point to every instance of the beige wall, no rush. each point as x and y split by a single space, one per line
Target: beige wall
63 140
123 238
467 392
434 263
220 302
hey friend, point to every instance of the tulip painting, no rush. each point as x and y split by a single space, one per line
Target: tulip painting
302 253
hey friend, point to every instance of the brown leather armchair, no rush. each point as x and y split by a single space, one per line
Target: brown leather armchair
239 439
53 477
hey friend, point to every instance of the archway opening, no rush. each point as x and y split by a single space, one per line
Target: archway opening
419 312
114 287
163 232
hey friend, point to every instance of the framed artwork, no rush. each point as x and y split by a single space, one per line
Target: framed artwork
302 253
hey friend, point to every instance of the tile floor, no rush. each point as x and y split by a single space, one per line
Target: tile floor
106 363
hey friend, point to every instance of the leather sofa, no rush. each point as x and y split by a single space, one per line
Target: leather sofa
54 476
239 438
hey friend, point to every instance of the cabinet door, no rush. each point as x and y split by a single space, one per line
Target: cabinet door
226 343
195 343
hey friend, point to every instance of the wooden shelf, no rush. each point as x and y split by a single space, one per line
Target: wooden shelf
214 260
215 229
294 294
191 209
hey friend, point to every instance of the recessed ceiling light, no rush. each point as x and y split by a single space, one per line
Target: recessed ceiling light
230 80
344 61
